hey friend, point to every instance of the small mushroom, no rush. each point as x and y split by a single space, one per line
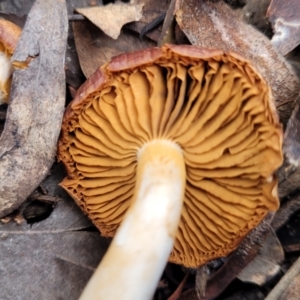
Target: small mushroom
171 150
9 35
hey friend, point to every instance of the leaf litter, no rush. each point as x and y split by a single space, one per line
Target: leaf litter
39 259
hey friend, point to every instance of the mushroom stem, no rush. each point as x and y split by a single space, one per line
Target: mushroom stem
5 73
140 249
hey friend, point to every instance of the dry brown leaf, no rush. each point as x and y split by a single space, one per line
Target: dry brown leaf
266 264
95 48
28 142
111 18
213 24
285 19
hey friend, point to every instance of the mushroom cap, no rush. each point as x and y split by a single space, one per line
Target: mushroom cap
214 105
9 36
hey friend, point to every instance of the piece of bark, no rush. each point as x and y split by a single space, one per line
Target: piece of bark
21 8
213 24
28 142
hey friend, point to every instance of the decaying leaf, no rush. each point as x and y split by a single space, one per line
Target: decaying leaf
95 48
52 259
111 18
266 264
28 142
213 24
285 19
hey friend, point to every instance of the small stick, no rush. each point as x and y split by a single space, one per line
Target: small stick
179 289
153 24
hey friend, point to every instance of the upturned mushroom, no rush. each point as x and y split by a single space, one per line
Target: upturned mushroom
9 35
172 151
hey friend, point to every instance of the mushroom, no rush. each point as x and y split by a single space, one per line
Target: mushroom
9 35
172 151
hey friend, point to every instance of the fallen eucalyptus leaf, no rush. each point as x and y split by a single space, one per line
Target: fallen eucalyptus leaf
285 19
111 18
95 48
28 142
213 24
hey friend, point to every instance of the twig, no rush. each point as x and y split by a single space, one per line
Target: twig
179 289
